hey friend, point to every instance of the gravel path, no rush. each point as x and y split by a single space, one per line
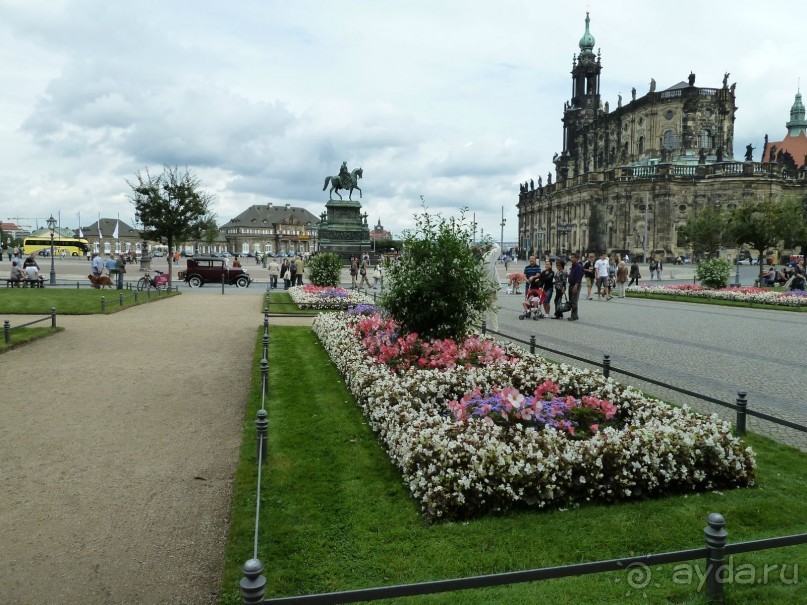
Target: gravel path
118 452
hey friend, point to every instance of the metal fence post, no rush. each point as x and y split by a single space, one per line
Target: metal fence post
103 304
374 299
532 344
253 584
606 366
222 283
742 404
484 327
264 374
148 293
7 331
716 537
77 286
261 424
120 299
135 295
53 317
266 324
266 346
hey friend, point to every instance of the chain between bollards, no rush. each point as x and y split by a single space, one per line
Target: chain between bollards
606 366
742 406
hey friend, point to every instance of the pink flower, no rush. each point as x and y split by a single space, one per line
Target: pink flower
595 427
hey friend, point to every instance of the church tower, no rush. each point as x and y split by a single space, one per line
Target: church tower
583 108
797 124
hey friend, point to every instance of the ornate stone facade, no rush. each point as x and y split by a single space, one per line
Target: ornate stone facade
627 179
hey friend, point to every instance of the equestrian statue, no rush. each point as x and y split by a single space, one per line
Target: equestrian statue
344 180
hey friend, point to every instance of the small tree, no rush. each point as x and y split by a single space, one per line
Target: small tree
324 269
713 272
437 288
705 231
760 226
171 207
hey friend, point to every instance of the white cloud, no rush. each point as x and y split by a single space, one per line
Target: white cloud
458 101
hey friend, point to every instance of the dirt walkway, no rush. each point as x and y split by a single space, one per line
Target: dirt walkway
118 451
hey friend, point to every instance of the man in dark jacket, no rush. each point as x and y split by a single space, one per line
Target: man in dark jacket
575 282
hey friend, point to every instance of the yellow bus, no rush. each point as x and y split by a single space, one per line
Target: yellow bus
71 245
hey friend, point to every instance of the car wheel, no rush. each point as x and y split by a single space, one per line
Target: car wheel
74 254
242 282
195 281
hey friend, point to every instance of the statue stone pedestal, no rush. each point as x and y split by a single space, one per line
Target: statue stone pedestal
343 229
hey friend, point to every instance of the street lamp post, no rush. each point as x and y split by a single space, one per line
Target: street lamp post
52 226
501 237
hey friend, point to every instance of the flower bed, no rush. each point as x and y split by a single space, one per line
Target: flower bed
318 297
461 459
791 298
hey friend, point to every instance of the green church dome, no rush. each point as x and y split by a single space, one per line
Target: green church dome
587 41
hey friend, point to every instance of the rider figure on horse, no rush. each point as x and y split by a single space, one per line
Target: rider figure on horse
344 175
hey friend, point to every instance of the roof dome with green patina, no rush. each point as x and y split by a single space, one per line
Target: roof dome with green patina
587 41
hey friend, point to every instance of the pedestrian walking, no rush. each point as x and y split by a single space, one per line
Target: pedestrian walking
575 281
635 275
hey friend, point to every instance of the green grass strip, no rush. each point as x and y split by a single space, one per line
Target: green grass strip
22 336
336 516
35 301
712 301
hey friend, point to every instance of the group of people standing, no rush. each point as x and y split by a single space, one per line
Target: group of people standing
609 275
557 282
360 269
289 270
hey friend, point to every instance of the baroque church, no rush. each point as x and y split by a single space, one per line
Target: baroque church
628 177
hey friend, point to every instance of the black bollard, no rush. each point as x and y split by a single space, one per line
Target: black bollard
742 406
716 538
606 366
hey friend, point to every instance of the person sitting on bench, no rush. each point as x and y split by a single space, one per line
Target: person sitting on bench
33 275
17 274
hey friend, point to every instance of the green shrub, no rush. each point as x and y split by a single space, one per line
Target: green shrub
437 288
713 273
324 269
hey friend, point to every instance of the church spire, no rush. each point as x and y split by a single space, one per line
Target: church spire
797 124
587 41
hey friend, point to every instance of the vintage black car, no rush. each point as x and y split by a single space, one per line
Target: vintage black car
203 270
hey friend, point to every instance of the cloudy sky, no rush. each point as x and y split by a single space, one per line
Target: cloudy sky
457 101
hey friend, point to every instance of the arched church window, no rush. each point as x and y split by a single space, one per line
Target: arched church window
669 141
705 140
641 144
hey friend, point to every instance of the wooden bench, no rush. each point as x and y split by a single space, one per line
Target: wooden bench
33 283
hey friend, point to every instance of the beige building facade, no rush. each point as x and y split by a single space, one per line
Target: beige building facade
628 178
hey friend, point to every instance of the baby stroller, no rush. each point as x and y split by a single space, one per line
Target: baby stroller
533 305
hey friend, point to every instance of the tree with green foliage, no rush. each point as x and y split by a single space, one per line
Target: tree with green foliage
437 288
324 269
705 231
794 222
172 207
760 226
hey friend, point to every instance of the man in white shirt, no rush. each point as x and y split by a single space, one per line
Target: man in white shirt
32 274
601 269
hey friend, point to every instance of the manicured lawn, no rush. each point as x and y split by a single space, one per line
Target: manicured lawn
335 515
707 301
25 335
34 301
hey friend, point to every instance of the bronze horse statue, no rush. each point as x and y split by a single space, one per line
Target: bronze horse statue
337 184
